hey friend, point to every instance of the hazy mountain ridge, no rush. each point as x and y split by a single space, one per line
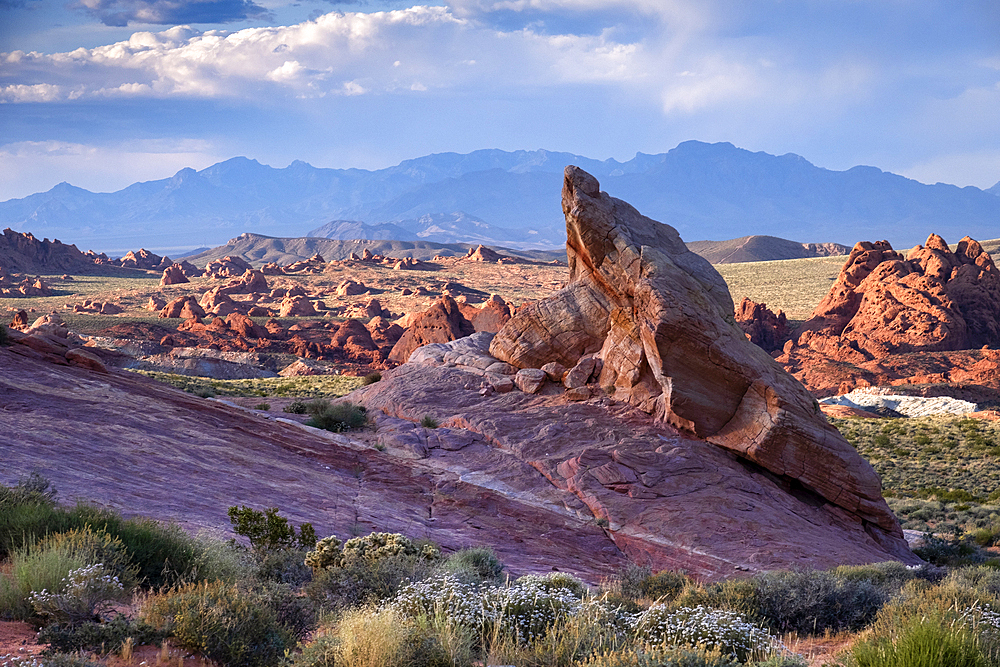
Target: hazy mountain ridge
714 191
762 249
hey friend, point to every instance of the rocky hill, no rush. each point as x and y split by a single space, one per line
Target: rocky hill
23 253
258 250
761 249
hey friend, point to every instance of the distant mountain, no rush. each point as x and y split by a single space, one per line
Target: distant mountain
762 249
714 191
258 250
994 190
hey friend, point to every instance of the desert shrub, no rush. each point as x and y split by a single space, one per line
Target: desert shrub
527 610
474 565
372 378
295 408
162 553
378 546
4 336
815 601
84 594
725 631
320 652
222 621
69 660
595 628
660 656
638 582
268 531
262 406
285 566
428 421
108 637
920 641
443 595
338 417
361 582
984 581
204 392
955 552
33 569
327 554
890 575
554 581
95 546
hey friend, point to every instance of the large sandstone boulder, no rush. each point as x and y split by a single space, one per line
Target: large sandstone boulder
142 259
441 323
227 267
660 318
493 314
185 307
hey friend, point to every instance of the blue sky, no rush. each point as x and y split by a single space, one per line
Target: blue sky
103 93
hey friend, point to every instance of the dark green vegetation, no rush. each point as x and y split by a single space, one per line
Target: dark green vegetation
383 600
939 474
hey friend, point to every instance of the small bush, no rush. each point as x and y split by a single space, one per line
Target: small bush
361 582
339 417
69 660
34 569
204 392
295 408
267 531
428 422
221 621
725 631
950 552
372 378
262 406
83 595
920 642
4 336
474 565
661 656
102 638
379 546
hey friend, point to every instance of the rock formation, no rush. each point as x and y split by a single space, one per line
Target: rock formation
441 323
173 275
764 328
227 267
660 317
184 307
927 317
141 259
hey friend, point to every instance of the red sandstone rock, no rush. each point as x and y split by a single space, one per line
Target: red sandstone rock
350 288
227 267
384 333
764 328
490 317
185 307
441 323
143 259
297 306
173 275
660 317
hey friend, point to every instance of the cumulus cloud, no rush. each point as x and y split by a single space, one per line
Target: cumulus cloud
171 12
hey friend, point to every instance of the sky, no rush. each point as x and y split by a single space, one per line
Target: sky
104 93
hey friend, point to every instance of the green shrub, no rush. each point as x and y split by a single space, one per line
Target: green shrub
815 601
474 565
428 421
221 621
379 546
97 637
34 569
267 531
320 652
85 594
660 656
950 552
361 582
262 406
372 378
337 418
295 408
284 566
327 554
95 546
921 641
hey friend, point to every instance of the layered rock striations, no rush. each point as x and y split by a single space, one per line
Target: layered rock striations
660 318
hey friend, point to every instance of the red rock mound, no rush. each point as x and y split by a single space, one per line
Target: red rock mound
890 319
762 326
441 323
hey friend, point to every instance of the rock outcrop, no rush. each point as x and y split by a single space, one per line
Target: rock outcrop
660 318
763 327
173 275
928 317
441 323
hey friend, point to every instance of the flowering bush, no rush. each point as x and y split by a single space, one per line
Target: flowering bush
460 603
378 546
529 608
705 628
87 593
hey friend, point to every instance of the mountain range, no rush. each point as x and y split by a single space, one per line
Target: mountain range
707 191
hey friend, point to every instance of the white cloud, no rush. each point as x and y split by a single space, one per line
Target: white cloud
35 166
978 168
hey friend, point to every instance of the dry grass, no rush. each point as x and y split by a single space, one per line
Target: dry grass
795 286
